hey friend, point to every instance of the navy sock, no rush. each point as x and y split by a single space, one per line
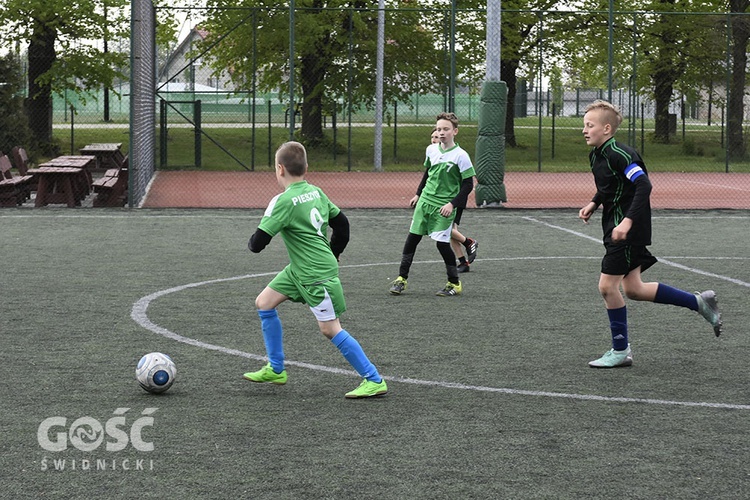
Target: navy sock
618 324
356 357
272 336
665 294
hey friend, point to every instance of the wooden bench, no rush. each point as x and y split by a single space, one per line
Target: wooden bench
22 164
112 188
14 190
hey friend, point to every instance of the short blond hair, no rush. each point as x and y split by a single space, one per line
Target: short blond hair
610 113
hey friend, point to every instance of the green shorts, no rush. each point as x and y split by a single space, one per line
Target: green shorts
427 220
325 298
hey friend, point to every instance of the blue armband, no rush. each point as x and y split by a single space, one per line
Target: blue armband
633 171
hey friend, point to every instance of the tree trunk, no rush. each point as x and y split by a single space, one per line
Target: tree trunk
312 73
508 75
667 69
735 108
39 102
662 96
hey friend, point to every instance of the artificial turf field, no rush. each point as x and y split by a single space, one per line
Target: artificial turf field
490 392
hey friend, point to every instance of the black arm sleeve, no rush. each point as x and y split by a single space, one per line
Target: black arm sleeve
640 202
340 235
463 194
422 183
259 241
597 199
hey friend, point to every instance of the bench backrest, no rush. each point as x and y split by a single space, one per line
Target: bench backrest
21 158
5 167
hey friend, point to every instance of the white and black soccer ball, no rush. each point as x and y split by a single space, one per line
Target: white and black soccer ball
155 372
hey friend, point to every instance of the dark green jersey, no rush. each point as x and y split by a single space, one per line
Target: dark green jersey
300 214
623 189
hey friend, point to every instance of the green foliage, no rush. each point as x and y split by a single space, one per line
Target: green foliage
14 126
78 65
335 53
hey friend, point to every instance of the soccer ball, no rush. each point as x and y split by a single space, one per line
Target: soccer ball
155 372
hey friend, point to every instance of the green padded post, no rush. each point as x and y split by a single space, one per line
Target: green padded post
490 147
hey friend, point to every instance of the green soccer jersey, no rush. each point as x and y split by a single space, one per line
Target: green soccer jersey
300 214
446 170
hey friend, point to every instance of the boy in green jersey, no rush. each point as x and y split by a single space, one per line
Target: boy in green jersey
446 184
302 214
459 242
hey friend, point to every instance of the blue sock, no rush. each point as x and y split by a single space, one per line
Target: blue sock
618 323
356 357
271 326
665 294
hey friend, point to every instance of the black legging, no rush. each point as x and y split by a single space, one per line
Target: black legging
410 248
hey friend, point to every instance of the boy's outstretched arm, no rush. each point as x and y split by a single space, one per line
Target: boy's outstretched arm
258 241
340 235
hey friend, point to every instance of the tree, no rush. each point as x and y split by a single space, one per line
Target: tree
334 49
59 55
525 25
676 51
740 32
14 127
665 62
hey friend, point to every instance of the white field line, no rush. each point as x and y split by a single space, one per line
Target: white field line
661 259
140 316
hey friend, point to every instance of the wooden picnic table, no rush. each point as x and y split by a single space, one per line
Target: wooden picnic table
107 154
87 163
65 179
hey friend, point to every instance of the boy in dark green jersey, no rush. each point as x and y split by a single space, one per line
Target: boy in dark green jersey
623 189
302 214
447 182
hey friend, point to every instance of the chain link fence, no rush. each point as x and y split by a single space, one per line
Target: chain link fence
242 82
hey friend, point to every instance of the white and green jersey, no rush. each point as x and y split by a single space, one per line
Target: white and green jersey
446 171
300 214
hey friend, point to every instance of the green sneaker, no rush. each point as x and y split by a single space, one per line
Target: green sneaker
708 307
450 290
266 375
398 286
613 359
368 389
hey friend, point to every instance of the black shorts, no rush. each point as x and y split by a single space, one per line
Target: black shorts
621 258
457 218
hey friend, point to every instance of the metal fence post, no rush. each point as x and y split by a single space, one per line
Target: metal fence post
198 132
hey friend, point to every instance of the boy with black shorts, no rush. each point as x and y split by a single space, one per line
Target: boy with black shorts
302 214
623 189
448 180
